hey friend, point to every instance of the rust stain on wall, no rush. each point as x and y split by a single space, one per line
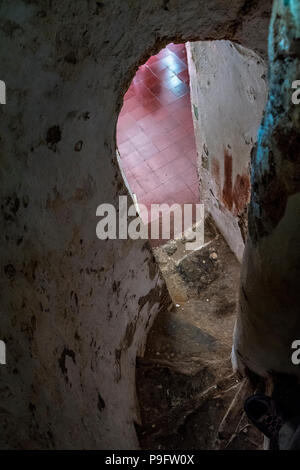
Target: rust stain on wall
235 197
227 188
215 170
241 192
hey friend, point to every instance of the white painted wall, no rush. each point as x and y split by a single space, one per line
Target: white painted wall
228 95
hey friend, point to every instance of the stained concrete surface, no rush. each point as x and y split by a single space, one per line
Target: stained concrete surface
229 90
185 382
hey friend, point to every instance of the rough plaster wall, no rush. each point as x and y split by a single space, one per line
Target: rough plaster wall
74 310
271 270
228 95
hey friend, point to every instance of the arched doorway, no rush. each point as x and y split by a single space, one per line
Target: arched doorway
185 382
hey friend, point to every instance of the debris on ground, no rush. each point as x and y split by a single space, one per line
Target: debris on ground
189 397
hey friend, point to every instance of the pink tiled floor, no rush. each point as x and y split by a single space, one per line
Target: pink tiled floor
155 132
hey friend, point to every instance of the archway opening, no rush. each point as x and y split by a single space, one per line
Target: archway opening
182 140
156 141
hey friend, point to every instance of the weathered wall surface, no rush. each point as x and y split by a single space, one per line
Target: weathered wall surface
267 327
74 310
228 94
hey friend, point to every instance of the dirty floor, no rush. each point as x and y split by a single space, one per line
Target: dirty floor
188 395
